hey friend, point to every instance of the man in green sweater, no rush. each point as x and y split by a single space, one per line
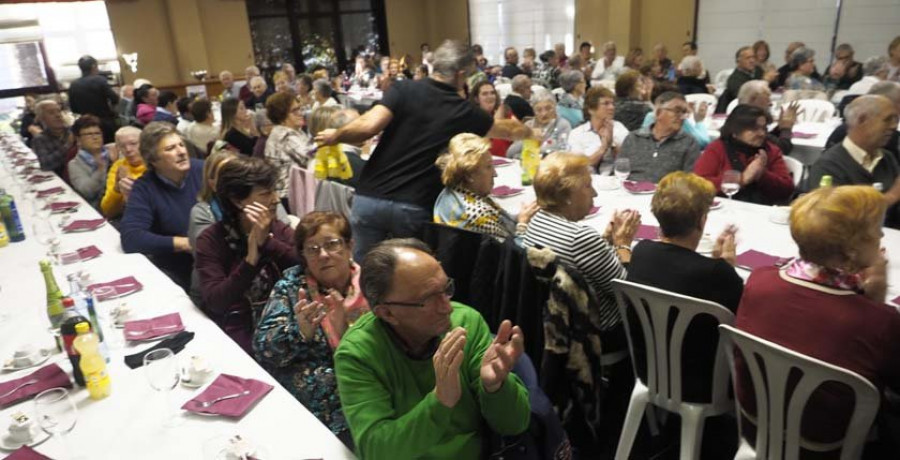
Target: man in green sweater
419 375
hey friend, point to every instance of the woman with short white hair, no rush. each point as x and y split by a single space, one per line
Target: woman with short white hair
571 102
691 80
550 129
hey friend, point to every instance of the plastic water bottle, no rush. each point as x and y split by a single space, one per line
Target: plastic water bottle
92 365
11 217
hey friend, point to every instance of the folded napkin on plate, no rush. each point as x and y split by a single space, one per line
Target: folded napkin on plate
647 232
38 178
78 255
50 191
49 376
62 206
26 453
500 162
225 385
800 135
176 344
84 225
752 259
121 286
146 329
504 190
638 187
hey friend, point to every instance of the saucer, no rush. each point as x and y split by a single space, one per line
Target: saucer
37 436
43 355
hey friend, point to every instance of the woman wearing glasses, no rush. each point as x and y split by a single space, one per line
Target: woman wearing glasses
287 143
309 310
239 258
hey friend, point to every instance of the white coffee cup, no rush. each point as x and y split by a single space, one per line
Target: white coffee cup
25 355
199 370
20 428
780 214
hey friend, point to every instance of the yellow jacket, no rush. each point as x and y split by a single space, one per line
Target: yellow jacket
113 202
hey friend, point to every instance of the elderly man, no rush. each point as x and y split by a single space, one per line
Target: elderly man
874 70
661 54
228 89
92 95
259 92
890 90
400 183
844 71
421 374
122 174
245 94
511 69
785 71
53 144
517 100
663 147
745 71
757 93
610 66
860 159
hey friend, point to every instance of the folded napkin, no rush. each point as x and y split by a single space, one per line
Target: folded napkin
30 170
896 301
26 453
38 178
84 225
176 344
121 286
225 385
49 376
500 162
24 161
647 232
63 206
146 329
503 190
639 187
78 255
800 135
752 259
50 191
719 116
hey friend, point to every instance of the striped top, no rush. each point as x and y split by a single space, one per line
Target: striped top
583 248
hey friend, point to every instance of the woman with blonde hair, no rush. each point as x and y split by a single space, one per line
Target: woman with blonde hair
467 172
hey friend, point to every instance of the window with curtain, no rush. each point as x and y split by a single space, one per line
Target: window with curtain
538 24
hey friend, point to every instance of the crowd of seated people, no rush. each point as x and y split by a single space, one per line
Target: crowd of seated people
354 317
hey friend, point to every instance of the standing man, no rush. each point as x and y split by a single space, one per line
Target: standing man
92 95
397 189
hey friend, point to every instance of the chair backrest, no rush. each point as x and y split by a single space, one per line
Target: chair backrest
722 77
731 106
700 98
779 413
814 110
796 168
653 307
539 91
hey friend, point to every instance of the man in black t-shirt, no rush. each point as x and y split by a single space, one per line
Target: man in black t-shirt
92 95
400 182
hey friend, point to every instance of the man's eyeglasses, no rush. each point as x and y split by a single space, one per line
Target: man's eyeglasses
448 292
331 246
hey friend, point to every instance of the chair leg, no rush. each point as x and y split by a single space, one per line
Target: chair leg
652 423
636 408
692 421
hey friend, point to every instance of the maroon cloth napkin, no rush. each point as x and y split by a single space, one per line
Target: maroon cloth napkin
639 187
84 225
500 162
78 255
896 301
503 190
799 135
752 259
50 191
49 376
63 206
122 287
225 385
24 161
26 453
38 178
720 116
647 232
146 329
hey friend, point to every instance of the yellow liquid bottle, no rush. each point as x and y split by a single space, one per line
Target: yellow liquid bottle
531 157
4 238
92 364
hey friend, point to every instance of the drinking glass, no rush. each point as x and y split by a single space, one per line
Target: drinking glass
163 373
104 302
622 169
56 414
731 183
45 234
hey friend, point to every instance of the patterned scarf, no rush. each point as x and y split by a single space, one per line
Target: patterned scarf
355 304
831 277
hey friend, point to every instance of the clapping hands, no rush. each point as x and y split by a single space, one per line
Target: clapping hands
501 356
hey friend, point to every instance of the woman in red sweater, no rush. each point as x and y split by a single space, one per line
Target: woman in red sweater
743 147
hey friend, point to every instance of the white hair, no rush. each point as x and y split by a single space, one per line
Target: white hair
520 82
751 90
864 107
689 64
40 106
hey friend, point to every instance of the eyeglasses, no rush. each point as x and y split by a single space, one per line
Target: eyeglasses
91 134
448 292
331 246
680 111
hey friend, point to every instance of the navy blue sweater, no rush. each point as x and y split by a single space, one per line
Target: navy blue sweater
156 212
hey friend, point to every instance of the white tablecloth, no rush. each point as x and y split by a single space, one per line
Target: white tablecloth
756 230
127 425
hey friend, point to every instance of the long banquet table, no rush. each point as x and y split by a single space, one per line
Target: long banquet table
756 230
128 424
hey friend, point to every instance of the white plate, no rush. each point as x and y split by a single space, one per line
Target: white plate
509 195
37 436
44 355
716 204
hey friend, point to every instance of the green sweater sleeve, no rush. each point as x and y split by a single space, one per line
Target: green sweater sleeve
378 431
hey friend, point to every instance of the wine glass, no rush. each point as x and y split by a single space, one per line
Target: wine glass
104 302
163 373
45 234
731 183
622 169
56 414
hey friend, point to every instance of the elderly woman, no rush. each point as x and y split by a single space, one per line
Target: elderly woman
571 103
238 129
804 65
286 143
240 257
681 204
87 171
156 218
308 311
690 80
630 106
565 196
467 172
610 66
600 137
323 94
551 130
744 147
484 95
264 127
820 304
122 174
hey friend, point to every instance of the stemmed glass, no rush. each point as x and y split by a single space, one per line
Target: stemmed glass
163 373
622 169
104 303
56 414
46 235
731 183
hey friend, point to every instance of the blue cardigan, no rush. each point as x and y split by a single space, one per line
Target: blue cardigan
156 212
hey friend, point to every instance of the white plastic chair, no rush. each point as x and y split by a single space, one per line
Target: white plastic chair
700 98
558 92
814 110
538 92
797 169
722 78
503 90
731 106
778 414
653 307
